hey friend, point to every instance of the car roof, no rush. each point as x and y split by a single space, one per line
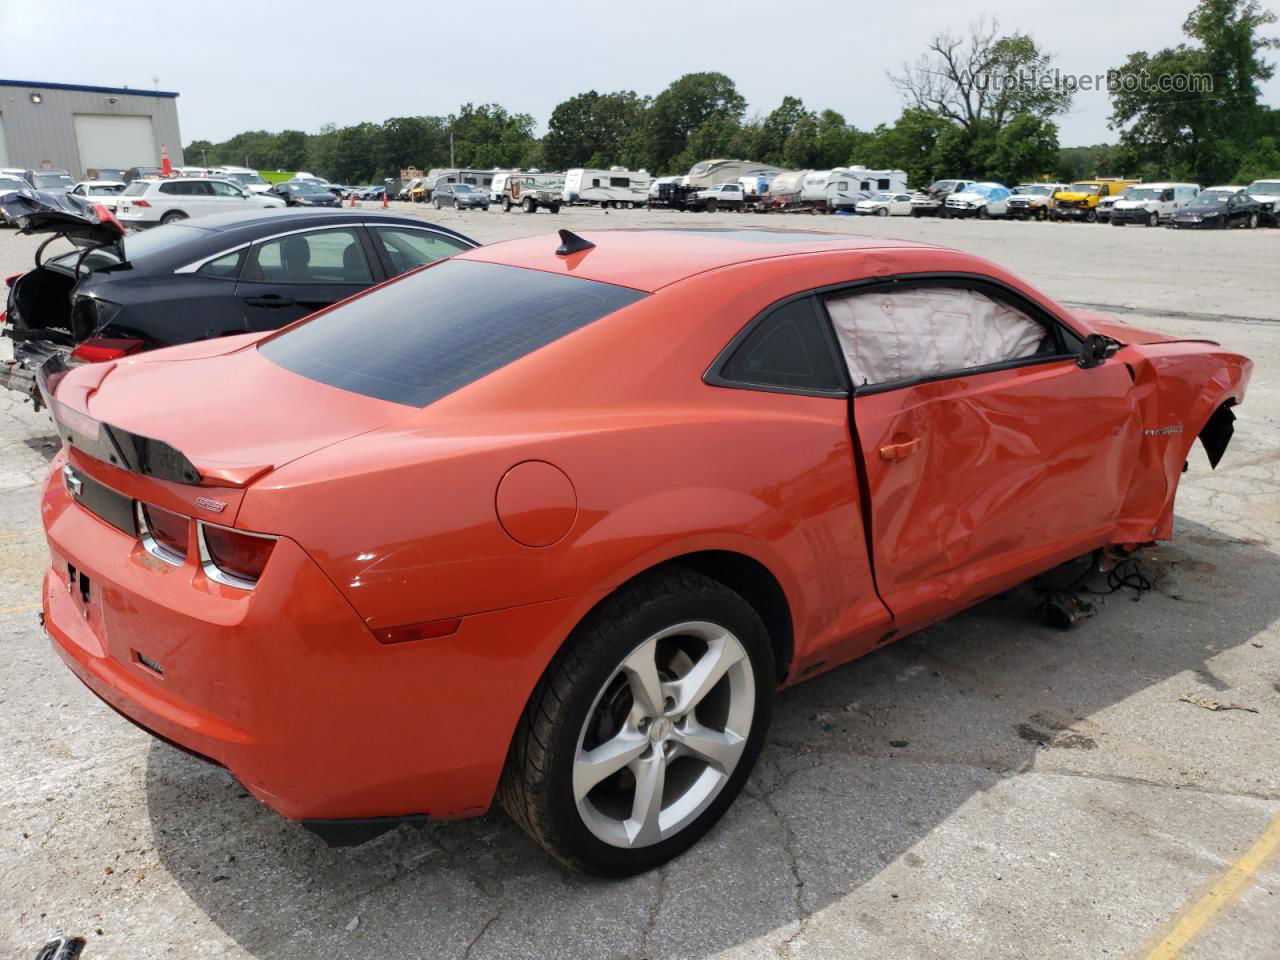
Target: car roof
276 216
649 259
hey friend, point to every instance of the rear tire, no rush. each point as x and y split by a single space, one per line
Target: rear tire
506 204
173 216
601 690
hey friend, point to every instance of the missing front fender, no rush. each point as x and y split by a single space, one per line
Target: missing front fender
1217 432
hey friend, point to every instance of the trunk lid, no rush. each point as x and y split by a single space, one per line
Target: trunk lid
60 215
215 413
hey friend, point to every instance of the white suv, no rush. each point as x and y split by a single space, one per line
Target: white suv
148 202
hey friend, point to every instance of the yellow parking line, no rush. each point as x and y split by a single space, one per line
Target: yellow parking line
24 608
1222 893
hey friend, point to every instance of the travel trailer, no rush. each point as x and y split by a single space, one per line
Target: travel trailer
480 179
838 189
874 181
615 187
708 173
843 187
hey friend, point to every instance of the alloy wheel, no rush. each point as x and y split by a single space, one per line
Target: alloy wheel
664 734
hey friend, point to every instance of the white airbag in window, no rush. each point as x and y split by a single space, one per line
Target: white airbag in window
899 334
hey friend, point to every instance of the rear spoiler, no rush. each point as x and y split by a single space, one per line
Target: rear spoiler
102 441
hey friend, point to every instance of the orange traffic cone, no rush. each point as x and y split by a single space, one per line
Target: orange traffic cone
166 165
385 205
353 200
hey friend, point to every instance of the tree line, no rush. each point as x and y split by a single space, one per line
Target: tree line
955 121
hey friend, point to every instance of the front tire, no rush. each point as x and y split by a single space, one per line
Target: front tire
644 727
529 205
882 211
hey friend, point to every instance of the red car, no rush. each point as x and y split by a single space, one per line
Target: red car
552 521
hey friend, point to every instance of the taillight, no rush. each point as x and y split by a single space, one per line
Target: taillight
164 534
140 203
233 557
101 349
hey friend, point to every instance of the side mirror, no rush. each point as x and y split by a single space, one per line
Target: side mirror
1094 351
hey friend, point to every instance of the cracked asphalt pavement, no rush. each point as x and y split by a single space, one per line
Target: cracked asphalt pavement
987 788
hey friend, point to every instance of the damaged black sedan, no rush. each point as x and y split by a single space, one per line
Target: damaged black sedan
115 294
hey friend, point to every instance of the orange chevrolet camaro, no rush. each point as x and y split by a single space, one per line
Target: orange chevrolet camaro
553 520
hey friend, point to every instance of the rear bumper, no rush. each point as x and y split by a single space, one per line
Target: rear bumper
284 685
19 373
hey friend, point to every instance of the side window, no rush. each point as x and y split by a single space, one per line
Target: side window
787 349
323 256
408 248
906 334
173 189
223 189
226 267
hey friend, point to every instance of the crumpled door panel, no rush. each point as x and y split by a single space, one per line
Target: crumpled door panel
978 481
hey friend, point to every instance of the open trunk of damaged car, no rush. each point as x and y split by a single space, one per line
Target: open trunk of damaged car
43 316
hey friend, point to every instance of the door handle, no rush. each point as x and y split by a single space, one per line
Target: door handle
269 300
899 451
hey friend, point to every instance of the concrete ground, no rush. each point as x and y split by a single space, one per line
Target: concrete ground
989 788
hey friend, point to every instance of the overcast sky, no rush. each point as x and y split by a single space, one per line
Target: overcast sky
244 66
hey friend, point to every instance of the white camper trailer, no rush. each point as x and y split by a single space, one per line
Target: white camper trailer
480 179
843 187
709 173
615 187
875 181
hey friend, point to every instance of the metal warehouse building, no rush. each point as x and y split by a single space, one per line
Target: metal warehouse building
76 128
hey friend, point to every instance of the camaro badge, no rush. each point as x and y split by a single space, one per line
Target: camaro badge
1163 431
214 506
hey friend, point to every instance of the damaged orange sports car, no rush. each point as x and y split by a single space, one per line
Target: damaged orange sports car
550 522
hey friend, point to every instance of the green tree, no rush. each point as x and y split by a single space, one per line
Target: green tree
488 136
683 107
1026 148
718 136
910 144
595 130
1178 126
775 129
801 151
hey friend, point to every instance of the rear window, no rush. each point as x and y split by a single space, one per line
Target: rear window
434 332
137 188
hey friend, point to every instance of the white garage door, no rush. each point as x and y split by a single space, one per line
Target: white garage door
4 150
115 142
